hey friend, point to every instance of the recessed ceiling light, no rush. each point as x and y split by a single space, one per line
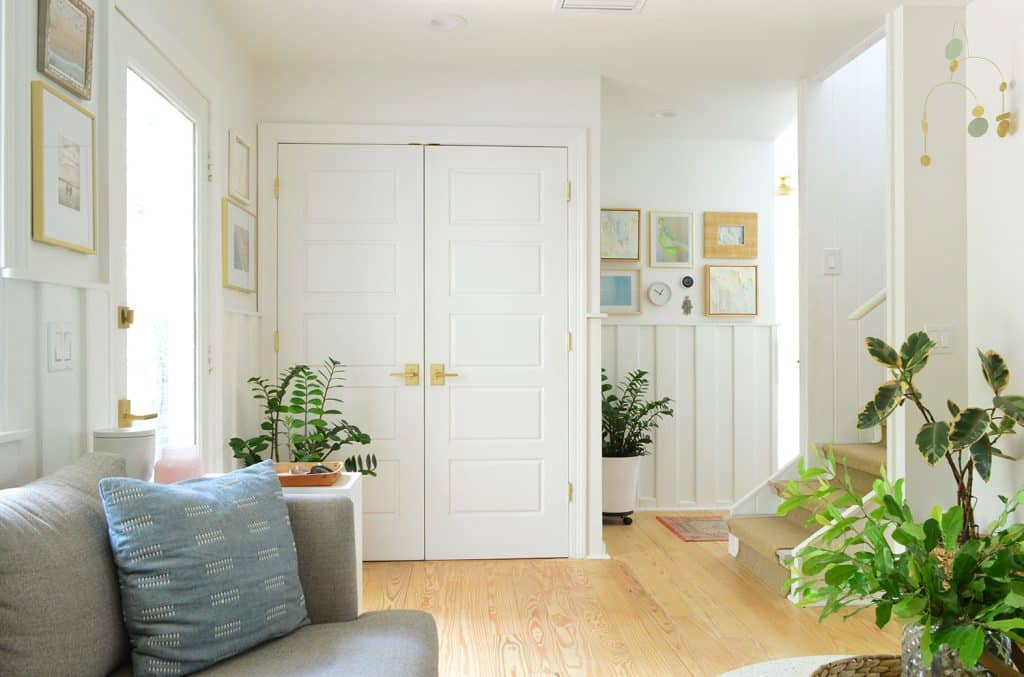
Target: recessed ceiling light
664 114
447 22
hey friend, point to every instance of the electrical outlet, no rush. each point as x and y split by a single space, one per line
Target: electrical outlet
58 346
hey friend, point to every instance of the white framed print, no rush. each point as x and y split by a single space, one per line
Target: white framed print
239 248
731 291
671 239
621 292
63 171
239 167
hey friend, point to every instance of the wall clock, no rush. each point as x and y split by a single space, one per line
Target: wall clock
659 293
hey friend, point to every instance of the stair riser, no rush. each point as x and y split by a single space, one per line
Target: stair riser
773 574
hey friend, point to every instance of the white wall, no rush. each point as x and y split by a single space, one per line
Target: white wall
54 413
720 373
928 276
995 239
843 206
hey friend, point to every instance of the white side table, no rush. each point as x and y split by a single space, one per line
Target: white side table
350 484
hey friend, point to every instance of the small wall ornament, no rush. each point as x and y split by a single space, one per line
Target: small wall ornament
687 306
958 51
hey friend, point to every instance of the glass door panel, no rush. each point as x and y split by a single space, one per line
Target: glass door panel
161 261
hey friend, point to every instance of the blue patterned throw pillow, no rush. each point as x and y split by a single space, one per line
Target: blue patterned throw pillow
207 567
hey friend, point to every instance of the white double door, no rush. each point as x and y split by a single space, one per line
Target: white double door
447 259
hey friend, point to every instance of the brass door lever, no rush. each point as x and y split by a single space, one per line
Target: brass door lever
125 417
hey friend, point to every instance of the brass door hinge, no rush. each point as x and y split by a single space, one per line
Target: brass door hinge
570 492
277 341
568 191
568 341
125 317
277 188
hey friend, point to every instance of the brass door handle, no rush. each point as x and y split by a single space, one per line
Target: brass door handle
411 374
438 374
125 417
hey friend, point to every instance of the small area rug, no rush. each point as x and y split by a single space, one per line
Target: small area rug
696 528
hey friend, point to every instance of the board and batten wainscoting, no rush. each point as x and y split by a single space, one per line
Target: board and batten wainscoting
722 379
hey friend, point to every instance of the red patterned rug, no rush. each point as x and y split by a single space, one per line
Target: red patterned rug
696 528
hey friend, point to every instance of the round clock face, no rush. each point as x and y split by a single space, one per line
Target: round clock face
659 293
687 281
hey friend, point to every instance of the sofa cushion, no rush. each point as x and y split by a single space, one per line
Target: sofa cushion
207 567
59 604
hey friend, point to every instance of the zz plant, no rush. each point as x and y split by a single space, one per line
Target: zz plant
967 439
301 414
628 418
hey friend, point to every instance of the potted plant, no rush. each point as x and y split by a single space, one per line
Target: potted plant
628 419
301 414
960 592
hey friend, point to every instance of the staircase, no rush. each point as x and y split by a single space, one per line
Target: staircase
759 541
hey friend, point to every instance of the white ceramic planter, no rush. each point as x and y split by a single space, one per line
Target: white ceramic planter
620 477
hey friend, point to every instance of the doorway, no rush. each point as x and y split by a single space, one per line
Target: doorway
156 211
450 260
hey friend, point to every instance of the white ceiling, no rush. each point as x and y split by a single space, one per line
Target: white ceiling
698 57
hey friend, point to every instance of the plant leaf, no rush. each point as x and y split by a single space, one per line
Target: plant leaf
933 441
888 397
868 417
994 368
915 351
952 524
883 353
883 612
968 427
981 452
1012 406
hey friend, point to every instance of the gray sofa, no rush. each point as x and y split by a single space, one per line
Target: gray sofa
60 611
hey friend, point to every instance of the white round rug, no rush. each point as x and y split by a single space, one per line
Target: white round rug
801 666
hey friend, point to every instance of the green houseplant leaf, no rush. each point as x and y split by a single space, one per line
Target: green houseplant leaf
888 397
915 351
933 441
1012 406
883 353
968 427
994 368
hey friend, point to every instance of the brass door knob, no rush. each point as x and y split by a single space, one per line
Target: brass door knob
411 374
125 417
438 374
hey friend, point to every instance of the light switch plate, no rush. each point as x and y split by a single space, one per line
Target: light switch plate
58 346
833 262
942 334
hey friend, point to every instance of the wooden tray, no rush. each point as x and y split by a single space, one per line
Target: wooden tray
319 480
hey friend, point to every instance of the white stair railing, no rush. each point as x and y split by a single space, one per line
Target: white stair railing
868 306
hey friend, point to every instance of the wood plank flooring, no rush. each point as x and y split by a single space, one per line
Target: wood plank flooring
659 607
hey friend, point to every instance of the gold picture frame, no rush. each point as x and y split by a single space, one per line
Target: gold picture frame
620 231
670 239
731 291
240 250
57 165
730 235
64 44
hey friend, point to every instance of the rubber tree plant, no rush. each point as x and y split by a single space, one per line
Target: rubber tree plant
628 418
965 440
302 415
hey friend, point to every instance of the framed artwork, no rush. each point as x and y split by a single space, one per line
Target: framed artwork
239 250
620 235
239 164
731 291
730 235
63 171
64 44
671 239
621 292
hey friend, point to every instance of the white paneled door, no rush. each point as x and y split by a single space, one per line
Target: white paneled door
452 259
496 315
350 286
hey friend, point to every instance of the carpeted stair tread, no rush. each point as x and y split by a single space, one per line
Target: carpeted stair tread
767 534
867 458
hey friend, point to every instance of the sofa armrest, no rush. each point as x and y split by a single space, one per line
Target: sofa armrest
324 530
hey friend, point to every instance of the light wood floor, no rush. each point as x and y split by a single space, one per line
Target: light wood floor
659 607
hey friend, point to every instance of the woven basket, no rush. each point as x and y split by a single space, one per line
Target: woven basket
862 666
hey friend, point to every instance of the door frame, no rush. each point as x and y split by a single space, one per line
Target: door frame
574 140
207 212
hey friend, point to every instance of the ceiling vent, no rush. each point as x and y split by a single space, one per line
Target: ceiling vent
601 5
